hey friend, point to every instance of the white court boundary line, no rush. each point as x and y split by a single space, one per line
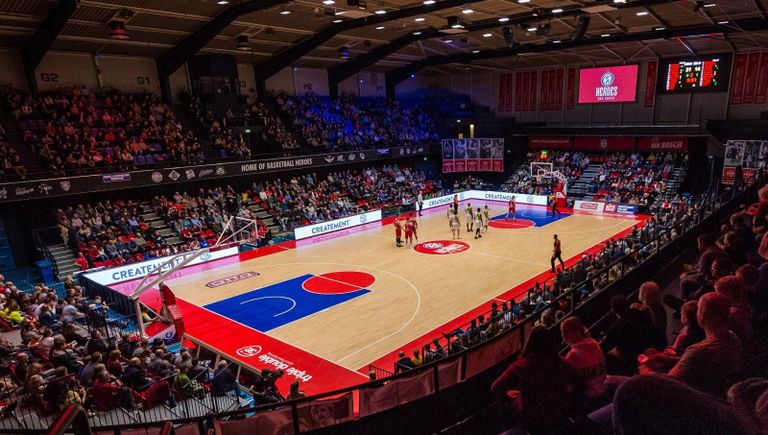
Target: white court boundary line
293 301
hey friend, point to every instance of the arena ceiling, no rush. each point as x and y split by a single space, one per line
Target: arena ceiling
157 26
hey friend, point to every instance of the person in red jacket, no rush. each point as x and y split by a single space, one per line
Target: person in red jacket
81 261
539 384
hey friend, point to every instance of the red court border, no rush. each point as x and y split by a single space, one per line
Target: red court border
206 326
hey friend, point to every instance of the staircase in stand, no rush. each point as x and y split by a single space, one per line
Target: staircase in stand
63 259
580 187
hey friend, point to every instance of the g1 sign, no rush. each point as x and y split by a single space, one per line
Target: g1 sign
612 84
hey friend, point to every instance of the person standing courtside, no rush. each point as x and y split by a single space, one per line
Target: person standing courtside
555 210
556 254
419 202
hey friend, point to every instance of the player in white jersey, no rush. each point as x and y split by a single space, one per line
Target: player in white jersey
453 219
478 222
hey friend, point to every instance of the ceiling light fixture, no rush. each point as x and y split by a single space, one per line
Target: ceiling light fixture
285 12
503 19
605 35
487 35
710 5
448 41
642 13
467 11
557 11
419 19
429 2
380 27
523 1
416 33
222 2
531 29
475 51
379 12
329 2
242 43
337 20
723 22
556 41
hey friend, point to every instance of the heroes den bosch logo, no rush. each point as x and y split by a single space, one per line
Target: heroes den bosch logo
441 247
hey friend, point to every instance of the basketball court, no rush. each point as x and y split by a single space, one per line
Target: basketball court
327 307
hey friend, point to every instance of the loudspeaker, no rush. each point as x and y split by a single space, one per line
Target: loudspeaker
582 23
509 36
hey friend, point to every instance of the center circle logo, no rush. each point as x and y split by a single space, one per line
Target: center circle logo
441 247
249 351
607 79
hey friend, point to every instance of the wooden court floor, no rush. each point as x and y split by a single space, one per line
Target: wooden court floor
413 293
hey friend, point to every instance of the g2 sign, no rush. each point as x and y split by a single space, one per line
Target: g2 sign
49 77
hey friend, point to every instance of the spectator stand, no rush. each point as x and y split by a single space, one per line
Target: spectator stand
463 375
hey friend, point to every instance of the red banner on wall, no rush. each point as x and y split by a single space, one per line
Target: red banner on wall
750 81
739 76
534 89
550 142
662 143
526 84
543 97
762 80
571 89
615 143
502 104
559 89
551 85
518 91
650 84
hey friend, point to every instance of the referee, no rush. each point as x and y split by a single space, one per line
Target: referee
556 254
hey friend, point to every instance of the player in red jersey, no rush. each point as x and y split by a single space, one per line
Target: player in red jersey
512 209
408 232
398 232
415 227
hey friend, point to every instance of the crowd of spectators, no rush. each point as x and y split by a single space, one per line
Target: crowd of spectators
113 233
348 124
11 165
635 178
59 363
569 163
78 131
631 378
308 199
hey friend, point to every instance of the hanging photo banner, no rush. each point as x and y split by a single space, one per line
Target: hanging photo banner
473 155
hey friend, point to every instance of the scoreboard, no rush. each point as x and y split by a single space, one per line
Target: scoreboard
695 74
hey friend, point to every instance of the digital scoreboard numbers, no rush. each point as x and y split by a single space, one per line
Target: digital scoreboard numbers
695 75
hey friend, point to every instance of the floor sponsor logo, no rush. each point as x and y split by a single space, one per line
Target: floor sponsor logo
230 279
441 247
249 351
